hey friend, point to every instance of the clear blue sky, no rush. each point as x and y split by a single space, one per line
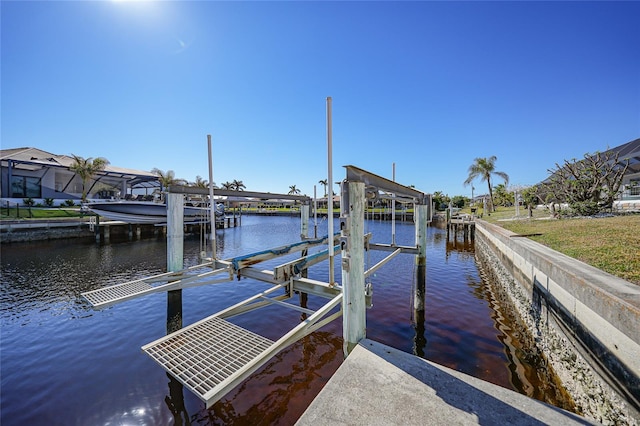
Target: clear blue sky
427 85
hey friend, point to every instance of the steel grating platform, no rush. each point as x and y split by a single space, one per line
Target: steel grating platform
208 353
166 281
116 293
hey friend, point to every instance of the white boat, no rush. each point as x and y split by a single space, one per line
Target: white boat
148 211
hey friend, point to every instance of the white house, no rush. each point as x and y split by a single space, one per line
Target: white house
40 175
631 182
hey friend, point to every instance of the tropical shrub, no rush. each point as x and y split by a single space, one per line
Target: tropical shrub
587 186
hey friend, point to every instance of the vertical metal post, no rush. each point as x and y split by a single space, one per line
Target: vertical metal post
304 220
304 233
212 203
353 286
315 213
393 211
175 257
330 192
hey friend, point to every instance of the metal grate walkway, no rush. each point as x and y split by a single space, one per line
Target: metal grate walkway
210 356
166 281
116 293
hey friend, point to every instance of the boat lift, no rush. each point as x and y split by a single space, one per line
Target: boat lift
213 355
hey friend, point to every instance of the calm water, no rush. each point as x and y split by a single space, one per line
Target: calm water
63 363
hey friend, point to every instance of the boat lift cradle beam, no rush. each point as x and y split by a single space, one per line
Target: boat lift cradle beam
248 195
377 183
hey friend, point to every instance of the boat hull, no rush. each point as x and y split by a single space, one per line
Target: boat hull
144 212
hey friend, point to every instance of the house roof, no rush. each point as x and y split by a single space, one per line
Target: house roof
34 159
629 151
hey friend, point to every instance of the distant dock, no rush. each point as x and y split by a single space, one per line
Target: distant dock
16 231
464 224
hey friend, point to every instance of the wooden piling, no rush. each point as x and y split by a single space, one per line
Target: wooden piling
175 257
353 285
421 222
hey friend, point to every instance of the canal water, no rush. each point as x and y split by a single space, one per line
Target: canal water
63 363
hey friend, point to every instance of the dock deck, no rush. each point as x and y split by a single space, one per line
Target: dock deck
380 385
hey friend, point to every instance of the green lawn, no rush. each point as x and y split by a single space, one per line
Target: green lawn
39 213
611 244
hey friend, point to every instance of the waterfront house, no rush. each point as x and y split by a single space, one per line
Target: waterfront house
631 182
40 175
628 197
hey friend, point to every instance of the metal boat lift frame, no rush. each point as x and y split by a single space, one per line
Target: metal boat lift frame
212 356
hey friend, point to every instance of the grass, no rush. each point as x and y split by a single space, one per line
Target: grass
39 213
611 244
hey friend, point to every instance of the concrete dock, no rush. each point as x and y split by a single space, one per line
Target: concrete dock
380 385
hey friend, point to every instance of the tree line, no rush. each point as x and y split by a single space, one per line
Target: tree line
587 186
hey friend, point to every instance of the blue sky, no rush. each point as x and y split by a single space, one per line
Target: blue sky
428 86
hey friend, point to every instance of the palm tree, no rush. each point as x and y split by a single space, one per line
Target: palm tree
167 178
484 168
201 183
293 190
227 185
238 185
324 183
86 168
502 196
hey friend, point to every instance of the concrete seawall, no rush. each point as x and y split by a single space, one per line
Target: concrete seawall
76 228
17 231
585 321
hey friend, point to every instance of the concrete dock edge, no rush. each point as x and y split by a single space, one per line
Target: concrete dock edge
380 385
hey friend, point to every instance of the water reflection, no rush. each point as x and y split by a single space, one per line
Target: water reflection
50 336
463 248
281 386
175 399
175 402
420 340
529 372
